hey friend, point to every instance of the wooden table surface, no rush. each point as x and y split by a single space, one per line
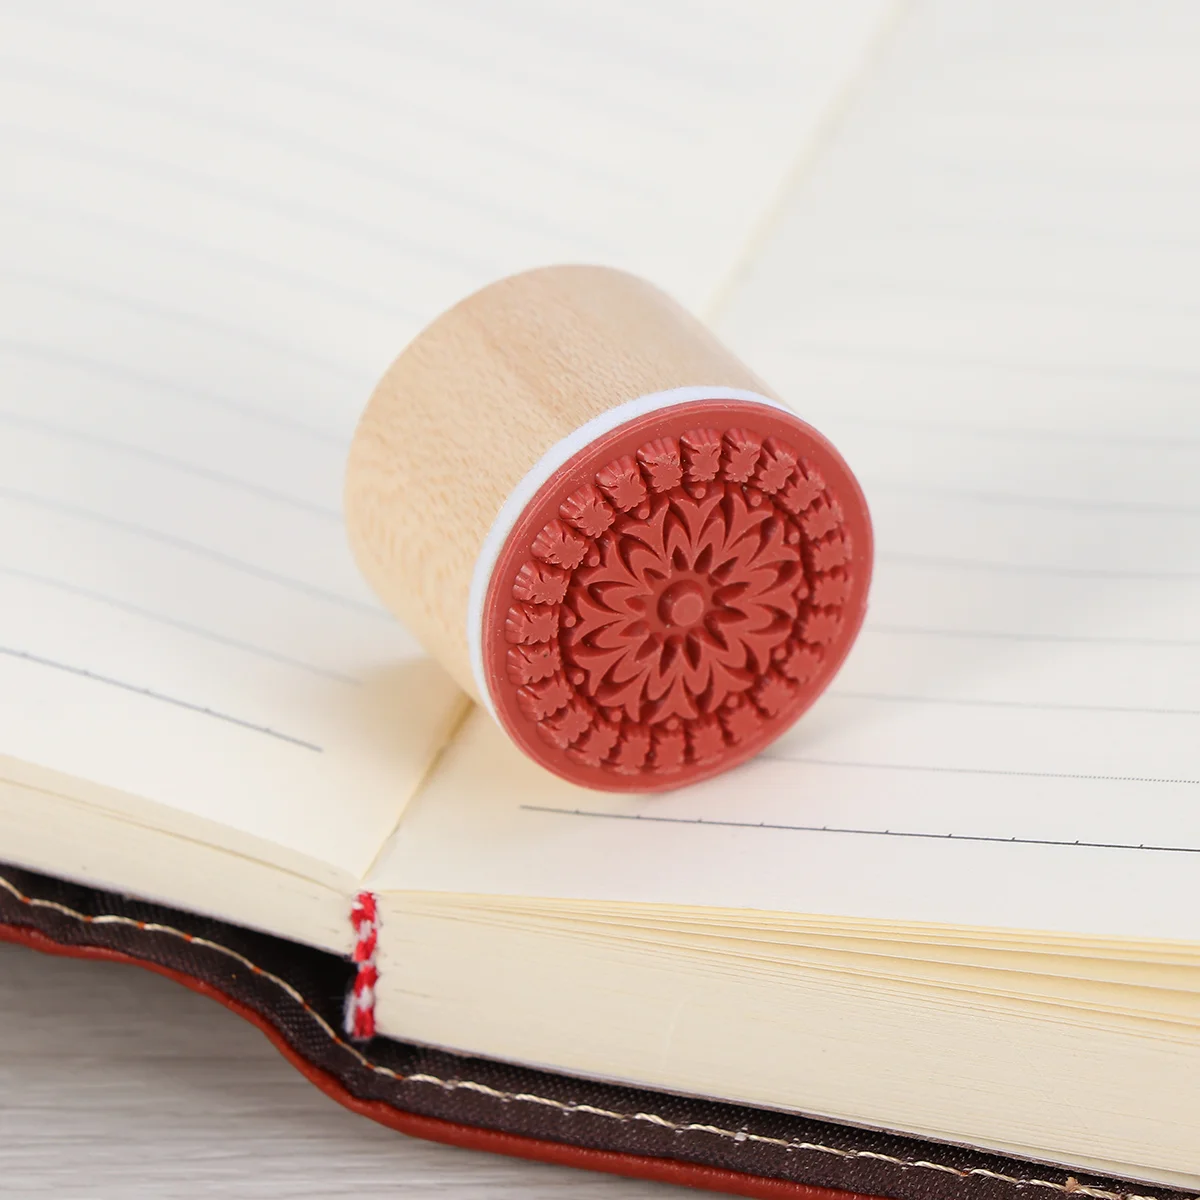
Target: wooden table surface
117 1083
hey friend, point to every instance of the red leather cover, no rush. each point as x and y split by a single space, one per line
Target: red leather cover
294 995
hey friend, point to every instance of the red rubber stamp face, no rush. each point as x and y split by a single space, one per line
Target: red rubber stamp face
676 595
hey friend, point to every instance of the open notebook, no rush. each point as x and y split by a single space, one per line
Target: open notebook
961 899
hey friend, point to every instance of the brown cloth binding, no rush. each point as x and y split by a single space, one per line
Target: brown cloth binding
295 995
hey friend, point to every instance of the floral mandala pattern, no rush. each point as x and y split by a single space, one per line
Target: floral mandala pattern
678 604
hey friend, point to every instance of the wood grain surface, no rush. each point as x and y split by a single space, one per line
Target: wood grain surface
473 403
117 1083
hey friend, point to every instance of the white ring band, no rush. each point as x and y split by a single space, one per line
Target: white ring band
558 455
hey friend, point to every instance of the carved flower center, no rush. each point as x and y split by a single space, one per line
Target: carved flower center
682 604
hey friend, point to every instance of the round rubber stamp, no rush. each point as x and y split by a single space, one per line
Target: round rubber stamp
675 594
608 530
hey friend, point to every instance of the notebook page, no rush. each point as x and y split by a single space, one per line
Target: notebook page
986 294
221 223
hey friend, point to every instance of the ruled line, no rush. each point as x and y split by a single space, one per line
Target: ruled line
1056 235
800 347
610 96
160 385
966 564
1048 706
46 428
83 673
1014 636
845 284
207 52
346 372
1016 432
373 237
176 543
976 169
1019 500
991 771
274 136
852 831
686 64
54 213
1105 116
209 635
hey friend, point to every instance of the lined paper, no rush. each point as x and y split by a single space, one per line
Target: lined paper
986 293
221 225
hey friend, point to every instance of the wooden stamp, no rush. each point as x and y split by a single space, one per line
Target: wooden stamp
608 529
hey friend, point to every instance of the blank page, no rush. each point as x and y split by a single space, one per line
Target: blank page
986 292
221 223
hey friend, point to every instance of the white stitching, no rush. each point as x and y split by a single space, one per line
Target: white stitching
1071 1187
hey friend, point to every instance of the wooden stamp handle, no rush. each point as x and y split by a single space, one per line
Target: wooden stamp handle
607 528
